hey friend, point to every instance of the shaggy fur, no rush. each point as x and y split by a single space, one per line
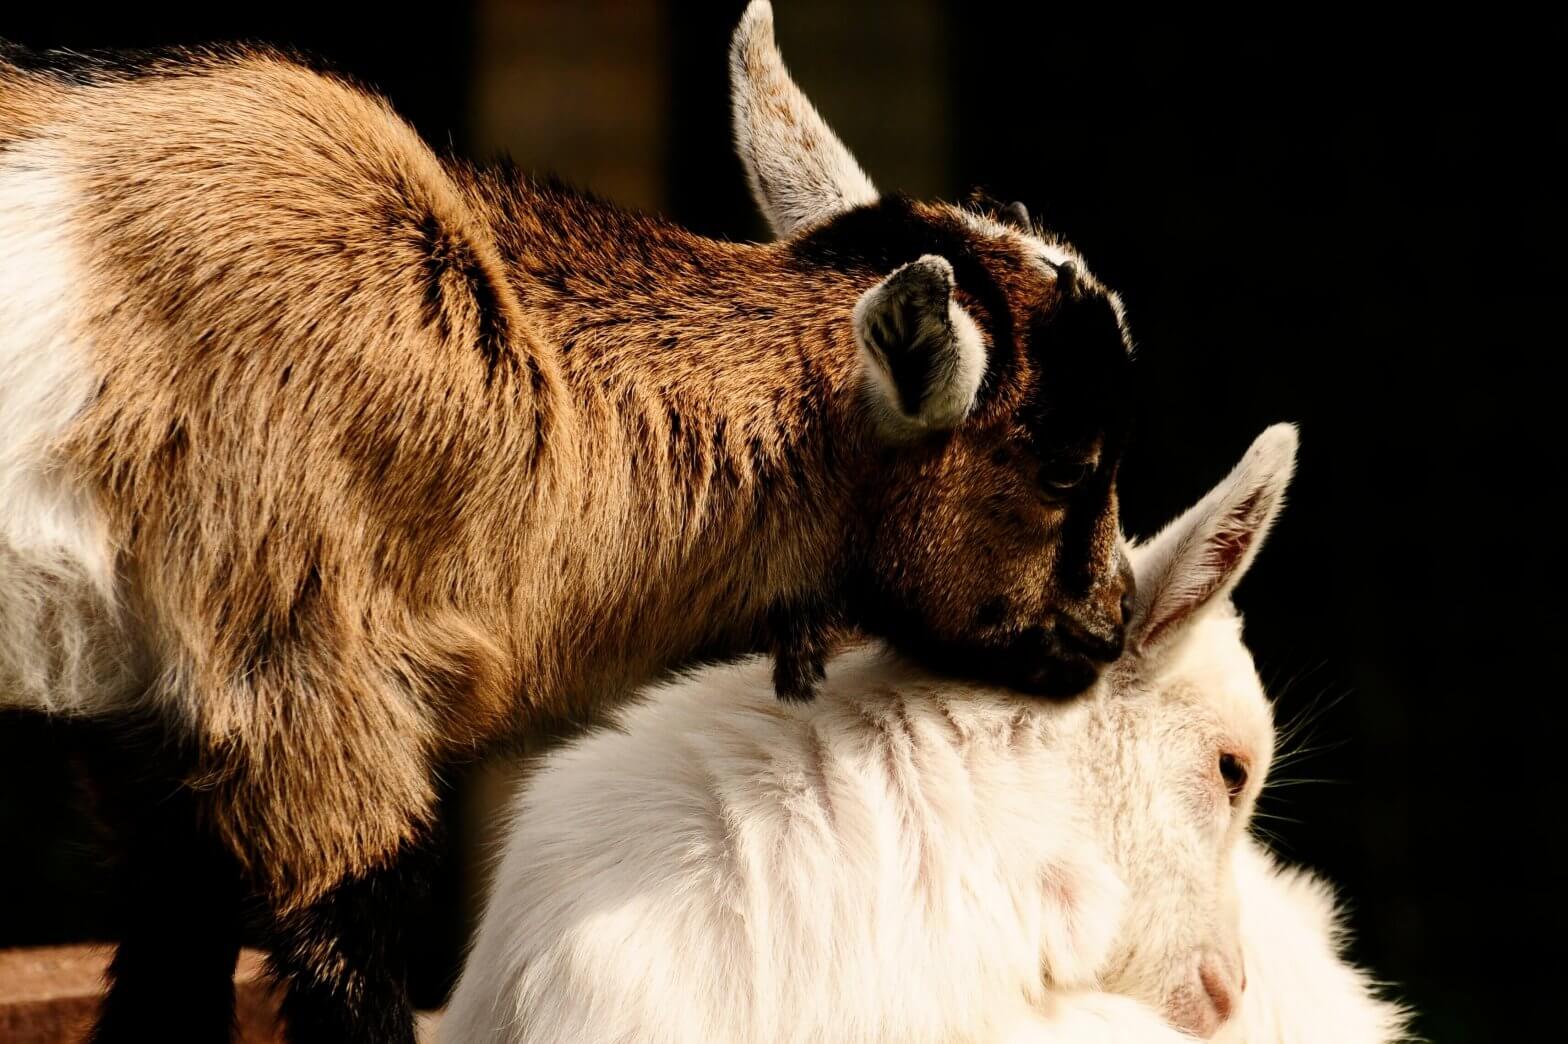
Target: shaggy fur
339 459
917 860
1299 988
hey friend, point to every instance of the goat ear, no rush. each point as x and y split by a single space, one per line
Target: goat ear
922 354
1197 559
799 172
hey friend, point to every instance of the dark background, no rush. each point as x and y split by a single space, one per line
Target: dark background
1346 224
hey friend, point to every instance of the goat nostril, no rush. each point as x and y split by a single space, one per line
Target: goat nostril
1215 983
1233 770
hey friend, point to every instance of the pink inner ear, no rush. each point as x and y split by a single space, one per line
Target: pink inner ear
1222 553
1227 548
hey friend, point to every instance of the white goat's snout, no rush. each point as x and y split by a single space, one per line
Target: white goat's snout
1211 994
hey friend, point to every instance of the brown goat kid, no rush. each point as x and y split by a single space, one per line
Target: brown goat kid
336 460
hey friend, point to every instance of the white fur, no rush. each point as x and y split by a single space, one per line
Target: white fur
61 649
721 867
800 173
1299 988
906 859
914 308
1090 1016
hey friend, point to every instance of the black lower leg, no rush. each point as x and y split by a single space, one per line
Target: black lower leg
172 977
343 960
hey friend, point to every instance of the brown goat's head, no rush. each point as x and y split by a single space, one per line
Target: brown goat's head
997 376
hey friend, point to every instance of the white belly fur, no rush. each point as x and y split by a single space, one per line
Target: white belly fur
61 647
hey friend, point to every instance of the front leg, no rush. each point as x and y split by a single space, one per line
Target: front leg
172 977
802 635
325 805
343 962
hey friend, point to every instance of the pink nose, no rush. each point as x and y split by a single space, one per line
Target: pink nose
1201 1005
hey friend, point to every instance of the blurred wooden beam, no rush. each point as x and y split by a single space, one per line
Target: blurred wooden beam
49 995
575 89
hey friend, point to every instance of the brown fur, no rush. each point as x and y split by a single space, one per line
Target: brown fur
398 454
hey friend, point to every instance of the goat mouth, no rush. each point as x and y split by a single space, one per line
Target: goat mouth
1033 663
1044 662
1059 677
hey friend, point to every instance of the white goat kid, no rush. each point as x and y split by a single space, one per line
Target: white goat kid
909 858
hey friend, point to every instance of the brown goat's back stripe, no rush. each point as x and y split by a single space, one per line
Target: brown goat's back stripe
450 265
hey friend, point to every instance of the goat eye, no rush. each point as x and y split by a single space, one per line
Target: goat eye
1061 477
1234 772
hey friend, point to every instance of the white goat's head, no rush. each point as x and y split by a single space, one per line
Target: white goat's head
1177 750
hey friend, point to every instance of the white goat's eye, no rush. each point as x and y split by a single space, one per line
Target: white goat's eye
1233 770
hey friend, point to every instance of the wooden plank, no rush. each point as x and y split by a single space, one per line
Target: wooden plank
49 995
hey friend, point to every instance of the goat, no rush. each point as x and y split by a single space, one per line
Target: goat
909 858
333 460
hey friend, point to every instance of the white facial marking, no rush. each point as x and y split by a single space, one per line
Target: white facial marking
1051 253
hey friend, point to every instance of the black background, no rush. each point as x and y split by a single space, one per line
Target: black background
1346 224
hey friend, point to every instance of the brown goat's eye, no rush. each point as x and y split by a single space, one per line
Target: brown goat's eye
1061 477
1234 772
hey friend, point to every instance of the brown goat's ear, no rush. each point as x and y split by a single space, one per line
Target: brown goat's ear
800 173
1196 560
922 354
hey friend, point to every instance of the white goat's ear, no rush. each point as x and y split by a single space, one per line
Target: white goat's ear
1197 559
800 173
922 354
